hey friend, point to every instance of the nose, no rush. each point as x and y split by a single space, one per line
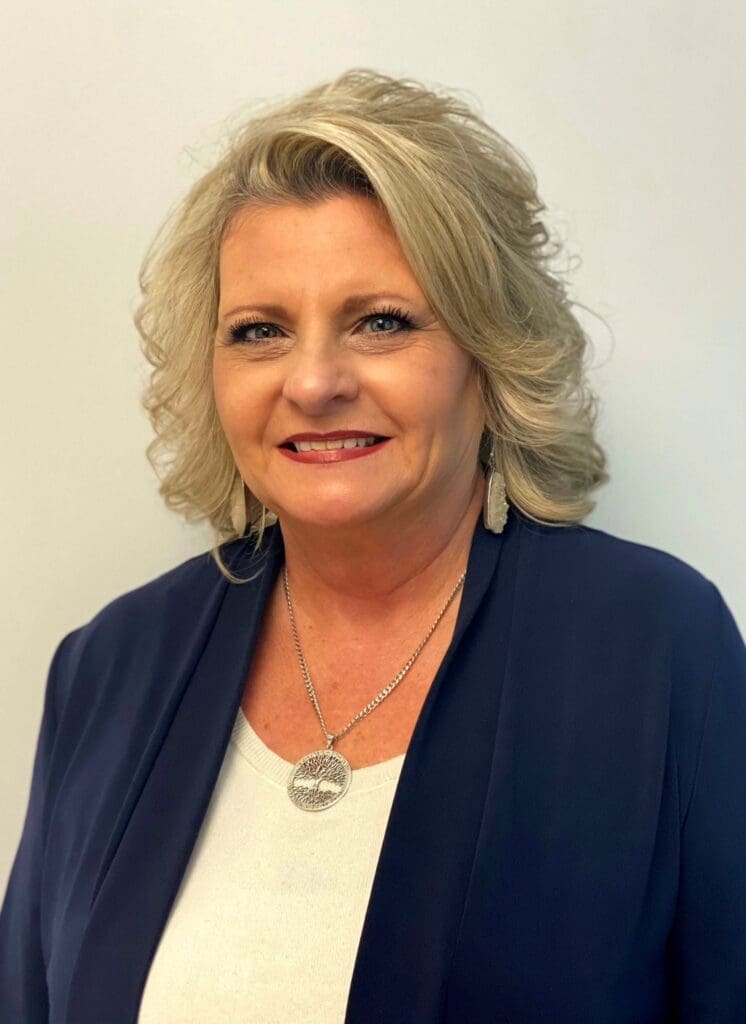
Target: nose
317 375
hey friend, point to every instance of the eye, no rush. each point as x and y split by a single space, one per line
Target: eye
391 314
238 332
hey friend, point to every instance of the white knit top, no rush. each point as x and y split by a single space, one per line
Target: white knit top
267 921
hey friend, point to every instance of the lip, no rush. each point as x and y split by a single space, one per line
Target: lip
334 435
336 454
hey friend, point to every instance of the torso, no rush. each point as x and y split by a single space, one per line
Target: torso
347 674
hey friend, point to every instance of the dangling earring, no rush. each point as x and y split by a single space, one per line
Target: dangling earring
494 506
269 518
238 505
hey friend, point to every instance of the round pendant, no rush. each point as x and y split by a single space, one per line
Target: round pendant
319 779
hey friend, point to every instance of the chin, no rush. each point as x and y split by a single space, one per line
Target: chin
331 518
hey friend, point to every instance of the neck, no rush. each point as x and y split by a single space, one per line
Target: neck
366 577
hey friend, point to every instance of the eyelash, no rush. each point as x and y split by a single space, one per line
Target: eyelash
235 333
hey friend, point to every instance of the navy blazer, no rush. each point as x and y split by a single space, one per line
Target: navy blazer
567 840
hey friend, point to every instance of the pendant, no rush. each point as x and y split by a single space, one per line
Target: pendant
319 779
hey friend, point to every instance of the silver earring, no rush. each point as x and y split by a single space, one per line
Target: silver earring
238 506
269 518
494 506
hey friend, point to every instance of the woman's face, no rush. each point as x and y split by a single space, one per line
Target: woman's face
313 364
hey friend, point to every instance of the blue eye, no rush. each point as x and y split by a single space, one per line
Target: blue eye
391 314
238 332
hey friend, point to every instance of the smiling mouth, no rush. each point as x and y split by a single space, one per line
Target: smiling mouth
291 445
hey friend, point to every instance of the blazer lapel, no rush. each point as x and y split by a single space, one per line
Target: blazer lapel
420 884
140 878
421 880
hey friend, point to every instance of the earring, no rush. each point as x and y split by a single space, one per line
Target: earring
494 506
269 518
238 506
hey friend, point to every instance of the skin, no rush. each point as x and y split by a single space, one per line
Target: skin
380 539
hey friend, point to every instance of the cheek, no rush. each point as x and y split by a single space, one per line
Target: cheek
447 394
237 400
221 381
226 405
456 405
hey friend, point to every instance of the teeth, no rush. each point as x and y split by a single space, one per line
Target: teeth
322 446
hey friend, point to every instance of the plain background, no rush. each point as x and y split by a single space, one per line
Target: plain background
630 113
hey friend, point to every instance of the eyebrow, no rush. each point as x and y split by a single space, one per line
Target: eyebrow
351 305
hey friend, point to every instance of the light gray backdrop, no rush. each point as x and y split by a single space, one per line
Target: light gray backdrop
631 114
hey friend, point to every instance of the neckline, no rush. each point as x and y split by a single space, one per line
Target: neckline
277 770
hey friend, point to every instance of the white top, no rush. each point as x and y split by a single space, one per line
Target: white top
267 921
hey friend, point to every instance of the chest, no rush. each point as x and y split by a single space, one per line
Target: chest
347 674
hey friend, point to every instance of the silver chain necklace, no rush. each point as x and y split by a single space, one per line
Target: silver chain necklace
322 777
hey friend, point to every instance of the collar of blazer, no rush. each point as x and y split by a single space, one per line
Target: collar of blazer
422 876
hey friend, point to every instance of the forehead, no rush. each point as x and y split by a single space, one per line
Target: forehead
335 212
337 247
343 234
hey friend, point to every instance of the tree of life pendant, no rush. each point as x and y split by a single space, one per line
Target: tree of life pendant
319 779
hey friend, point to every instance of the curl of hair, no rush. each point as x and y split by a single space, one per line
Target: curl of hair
464 205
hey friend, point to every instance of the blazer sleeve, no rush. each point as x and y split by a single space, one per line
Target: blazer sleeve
23 986
709 938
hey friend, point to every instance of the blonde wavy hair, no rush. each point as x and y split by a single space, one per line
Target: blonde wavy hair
464 205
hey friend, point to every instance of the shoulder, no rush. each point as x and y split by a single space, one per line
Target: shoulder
171 594
145 626
649 619
621 578
632 607
649 628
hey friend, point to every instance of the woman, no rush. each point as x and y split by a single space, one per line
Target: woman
410 743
